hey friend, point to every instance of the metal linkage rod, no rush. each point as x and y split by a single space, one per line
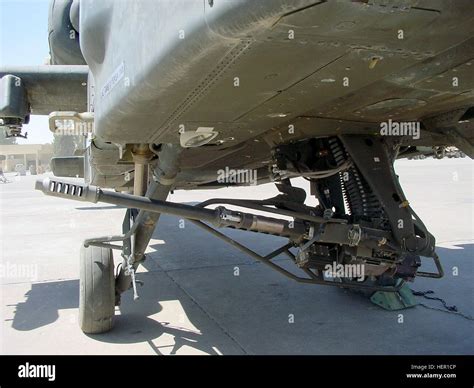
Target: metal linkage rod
313 279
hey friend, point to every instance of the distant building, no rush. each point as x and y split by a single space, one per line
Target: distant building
36 155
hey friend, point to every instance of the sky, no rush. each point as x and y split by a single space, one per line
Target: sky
24 42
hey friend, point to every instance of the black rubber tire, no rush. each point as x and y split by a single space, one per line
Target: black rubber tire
96 290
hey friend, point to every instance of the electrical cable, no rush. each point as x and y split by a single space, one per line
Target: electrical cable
447 308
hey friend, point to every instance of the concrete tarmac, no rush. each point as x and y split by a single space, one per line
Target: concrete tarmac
193 302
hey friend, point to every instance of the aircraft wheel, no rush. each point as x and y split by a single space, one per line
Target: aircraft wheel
96 290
